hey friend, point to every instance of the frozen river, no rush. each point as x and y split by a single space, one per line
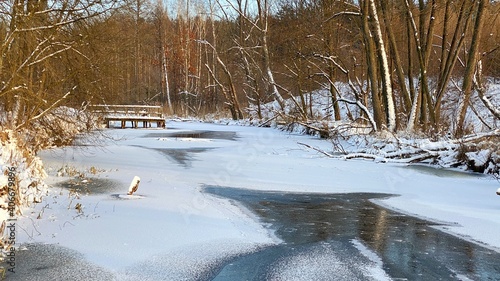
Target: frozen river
321 235
243 203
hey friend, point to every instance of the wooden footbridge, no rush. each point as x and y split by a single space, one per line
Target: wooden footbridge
146 115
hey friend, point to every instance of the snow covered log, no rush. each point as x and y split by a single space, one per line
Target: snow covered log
134 185
477 153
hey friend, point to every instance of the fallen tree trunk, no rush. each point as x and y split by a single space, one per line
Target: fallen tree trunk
478 153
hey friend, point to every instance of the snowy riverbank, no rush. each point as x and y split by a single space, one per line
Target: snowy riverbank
176 227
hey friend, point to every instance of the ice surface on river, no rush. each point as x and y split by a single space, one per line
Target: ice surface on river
376 270
198 262
142 236
327 261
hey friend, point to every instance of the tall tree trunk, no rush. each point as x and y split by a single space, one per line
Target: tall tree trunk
423 97
333 93
162 17
396 58
457 42
385 71
166 78
427 44
330 40
263 7
270 75
187 57
233 98
137 53
370 51
414 94
471 67
444 38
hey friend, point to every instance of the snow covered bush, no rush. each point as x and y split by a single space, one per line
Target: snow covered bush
22 173
59 128
21 179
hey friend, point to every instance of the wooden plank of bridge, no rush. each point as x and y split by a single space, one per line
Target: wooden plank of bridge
147 114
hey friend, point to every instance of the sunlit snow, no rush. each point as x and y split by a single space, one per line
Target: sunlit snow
171 224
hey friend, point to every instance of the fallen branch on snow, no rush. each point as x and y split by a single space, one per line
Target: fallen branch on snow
317 149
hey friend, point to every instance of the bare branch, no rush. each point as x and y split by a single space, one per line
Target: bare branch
316 149
346 13
48 109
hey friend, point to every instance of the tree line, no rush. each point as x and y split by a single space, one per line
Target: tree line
414 65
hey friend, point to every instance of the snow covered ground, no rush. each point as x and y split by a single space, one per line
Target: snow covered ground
171 230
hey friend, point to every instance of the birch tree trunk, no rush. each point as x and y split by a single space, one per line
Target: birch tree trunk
370 51
166 78
421 97
385 71
410 125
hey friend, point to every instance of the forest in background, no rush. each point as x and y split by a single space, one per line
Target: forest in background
408 65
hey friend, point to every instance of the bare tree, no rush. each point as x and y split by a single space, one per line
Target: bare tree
37 36
162 20
228 89
261 25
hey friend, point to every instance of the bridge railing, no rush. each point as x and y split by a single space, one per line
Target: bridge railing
134 114
135 110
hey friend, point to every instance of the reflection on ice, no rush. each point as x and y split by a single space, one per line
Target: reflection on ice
318 231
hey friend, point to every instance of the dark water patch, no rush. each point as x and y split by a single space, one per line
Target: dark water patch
443 172
409 247
52 262
89 185
182 156
222 135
